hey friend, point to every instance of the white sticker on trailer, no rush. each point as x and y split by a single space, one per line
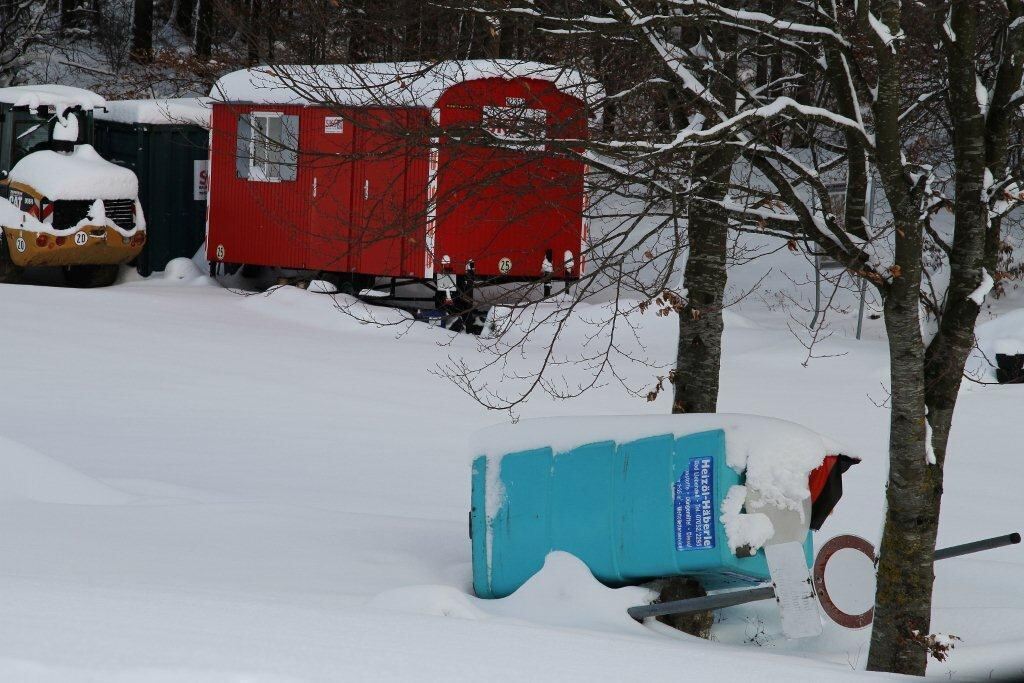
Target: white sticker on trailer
794 590
334 125
200 179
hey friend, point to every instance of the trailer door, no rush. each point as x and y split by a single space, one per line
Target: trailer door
382 228
332 161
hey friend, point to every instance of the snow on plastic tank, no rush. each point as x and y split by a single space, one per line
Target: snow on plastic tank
643 497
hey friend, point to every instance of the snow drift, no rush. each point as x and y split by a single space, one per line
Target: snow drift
563 594
28 475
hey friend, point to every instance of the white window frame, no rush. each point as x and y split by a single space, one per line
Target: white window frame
258 173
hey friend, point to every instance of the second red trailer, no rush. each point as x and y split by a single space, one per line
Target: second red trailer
400 170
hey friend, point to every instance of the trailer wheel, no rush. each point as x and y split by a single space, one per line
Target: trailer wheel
9 272
353 283
87 277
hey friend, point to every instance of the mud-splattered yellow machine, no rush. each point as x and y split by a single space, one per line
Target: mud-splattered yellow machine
67 207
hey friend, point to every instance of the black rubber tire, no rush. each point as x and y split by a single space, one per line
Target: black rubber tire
9 273
87 277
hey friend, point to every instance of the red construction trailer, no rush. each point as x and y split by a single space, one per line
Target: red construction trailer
405 170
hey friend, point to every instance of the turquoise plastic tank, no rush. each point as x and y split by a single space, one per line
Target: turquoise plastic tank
630 511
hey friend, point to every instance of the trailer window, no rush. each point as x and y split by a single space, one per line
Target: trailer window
268 143
517 125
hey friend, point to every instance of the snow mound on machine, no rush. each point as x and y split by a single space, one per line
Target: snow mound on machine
777 456
82 174
28 475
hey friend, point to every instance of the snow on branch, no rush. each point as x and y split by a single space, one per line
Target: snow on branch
884 33
979 294
778 108
769 23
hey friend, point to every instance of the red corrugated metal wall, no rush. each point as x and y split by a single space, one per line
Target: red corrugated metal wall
503 203
359 202
416 254
330 149
388 220
260 223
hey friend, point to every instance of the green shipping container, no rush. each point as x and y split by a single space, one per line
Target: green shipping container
166 143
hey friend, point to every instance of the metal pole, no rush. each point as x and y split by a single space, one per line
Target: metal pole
709 602
740 597
860 313
817 290
977 546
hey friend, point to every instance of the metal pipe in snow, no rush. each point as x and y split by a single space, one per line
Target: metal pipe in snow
740 597
717 601
977 546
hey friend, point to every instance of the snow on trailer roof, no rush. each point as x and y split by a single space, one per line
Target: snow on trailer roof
175 111
776 455
399 84
56 96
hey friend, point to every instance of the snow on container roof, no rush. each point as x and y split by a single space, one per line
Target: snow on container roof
193 111
398 84
56 96
82 174
776 455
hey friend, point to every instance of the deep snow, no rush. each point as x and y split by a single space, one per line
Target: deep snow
198 485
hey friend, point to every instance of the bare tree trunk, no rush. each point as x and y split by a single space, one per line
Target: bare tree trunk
204 29
142 31
270 28
359 41
905 576
183 15
67 13
252 32
699 345
699 348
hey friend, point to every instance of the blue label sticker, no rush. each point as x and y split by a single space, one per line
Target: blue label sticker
694 498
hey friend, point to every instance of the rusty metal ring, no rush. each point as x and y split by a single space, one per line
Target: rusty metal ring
831 547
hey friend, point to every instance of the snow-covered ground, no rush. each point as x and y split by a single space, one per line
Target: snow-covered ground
197 485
